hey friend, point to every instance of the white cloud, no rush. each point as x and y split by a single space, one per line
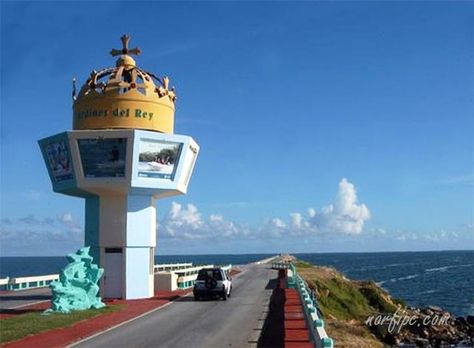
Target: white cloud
226 228
342 225
188 223
187 219
296 220
407 237
278 223
30 220
185 222
40 236
65 217
442 238
275 228
345 216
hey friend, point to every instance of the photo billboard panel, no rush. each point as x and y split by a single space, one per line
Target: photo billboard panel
104 157
158 159
59 160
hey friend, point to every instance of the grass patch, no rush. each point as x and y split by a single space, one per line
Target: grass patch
341 299
20 326
303 264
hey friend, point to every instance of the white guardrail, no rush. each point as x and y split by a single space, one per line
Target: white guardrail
172 266
23 283
185 275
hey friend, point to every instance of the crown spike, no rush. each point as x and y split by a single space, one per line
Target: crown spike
125 50
74 93
125 39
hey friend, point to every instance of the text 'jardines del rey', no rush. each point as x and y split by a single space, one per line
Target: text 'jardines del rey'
117 112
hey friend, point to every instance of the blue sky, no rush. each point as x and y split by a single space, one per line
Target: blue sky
323 126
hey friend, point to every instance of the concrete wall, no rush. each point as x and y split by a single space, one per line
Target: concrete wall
137 279
165 281
141 221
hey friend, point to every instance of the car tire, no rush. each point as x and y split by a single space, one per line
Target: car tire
230 291
224 295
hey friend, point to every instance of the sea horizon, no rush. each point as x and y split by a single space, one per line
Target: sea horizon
278 253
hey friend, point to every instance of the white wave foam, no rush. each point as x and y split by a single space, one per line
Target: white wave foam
445 268
441 269
411 276
393 280
427 292
400 264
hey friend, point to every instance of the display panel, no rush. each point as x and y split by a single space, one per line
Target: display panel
103 157
59 160
158 159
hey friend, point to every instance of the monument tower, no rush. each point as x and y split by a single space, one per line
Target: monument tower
121 156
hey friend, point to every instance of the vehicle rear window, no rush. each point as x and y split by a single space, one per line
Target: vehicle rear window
217 275
209 273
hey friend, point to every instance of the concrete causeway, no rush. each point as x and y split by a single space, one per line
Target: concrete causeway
209 323
16 299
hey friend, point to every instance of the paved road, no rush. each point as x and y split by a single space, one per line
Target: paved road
18 299
210 323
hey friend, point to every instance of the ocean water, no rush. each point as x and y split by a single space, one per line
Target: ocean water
441 278
29 266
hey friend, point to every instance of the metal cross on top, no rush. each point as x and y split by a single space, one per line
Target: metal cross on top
125 50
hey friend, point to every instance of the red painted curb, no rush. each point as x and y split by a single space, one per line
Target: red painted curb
295 324
296 335
80 330
298 345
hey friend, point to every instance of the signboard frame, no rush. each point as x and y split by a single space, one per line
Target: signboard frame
158 159
102 157
58 158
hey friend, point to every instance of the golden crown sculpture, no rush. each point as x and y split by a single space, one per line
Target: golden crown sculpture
124 97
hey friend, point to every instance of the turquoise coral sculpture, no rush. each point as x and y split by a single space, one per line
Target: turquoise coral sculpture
77 287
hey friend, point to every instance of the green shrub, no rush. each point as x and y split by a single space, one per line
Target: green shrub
303 264
341 299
